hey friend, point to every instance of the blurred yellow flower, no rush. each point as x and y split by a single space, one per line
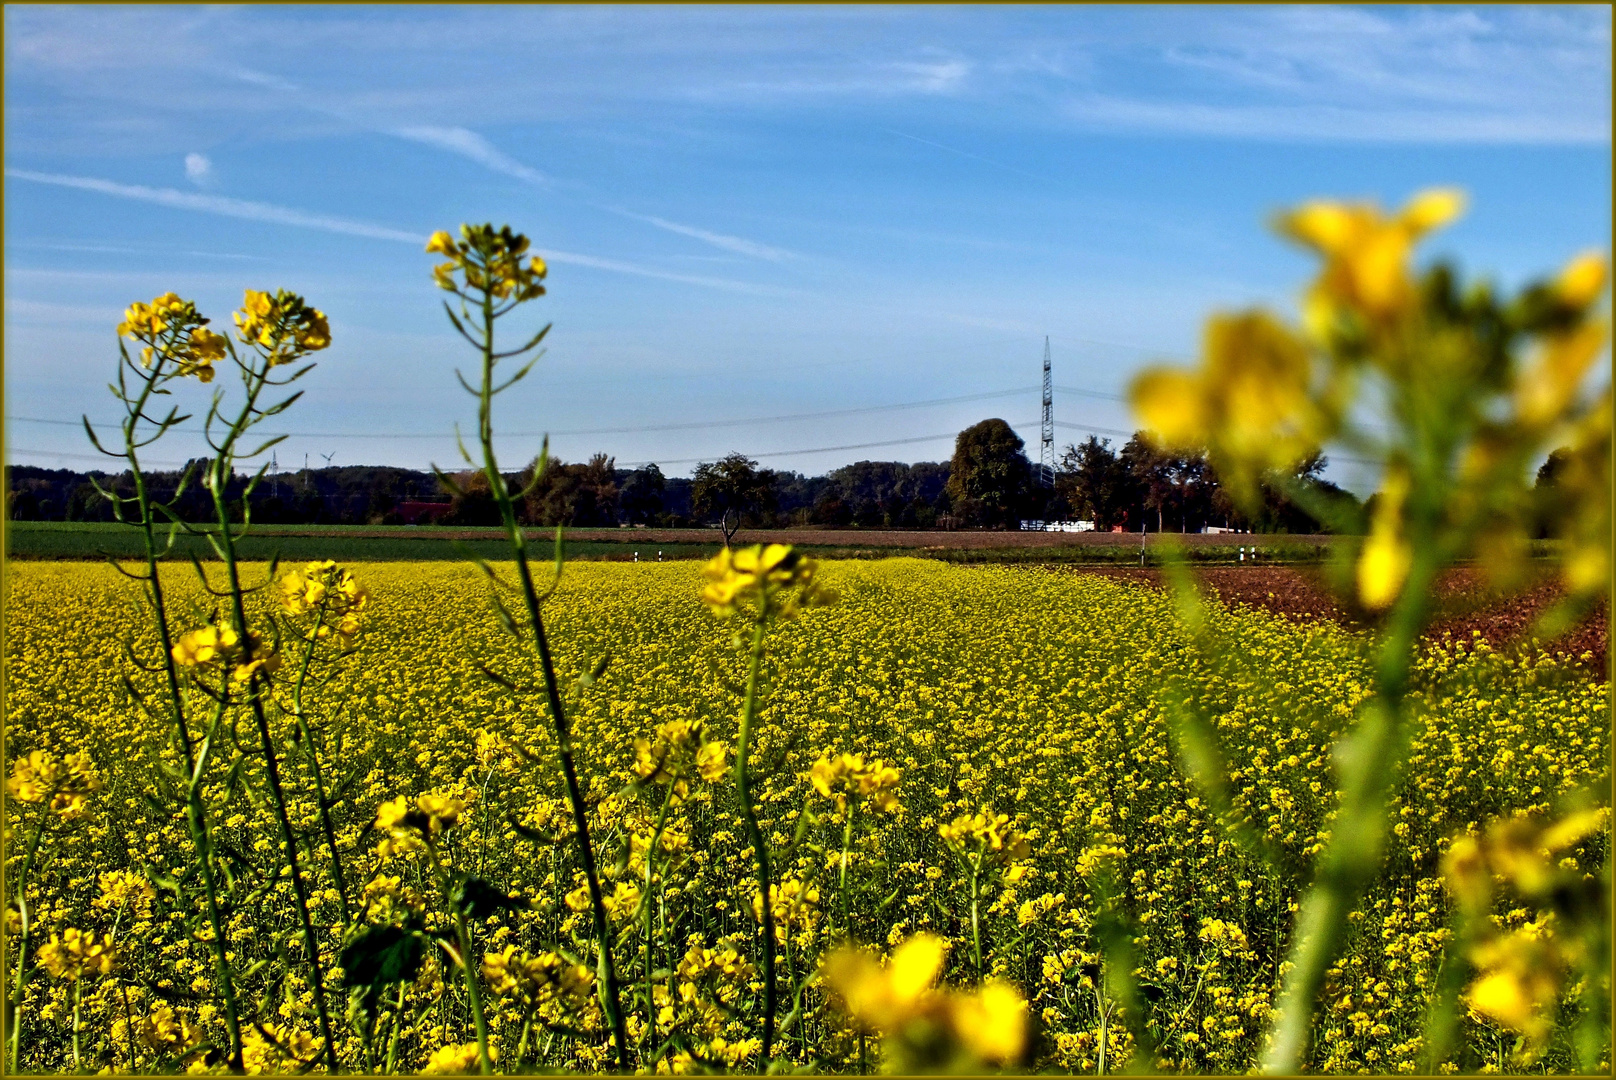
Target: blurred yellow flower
1366 253
1248 404
762 575
74 954
1384 563
488 260
1580 282
457 1058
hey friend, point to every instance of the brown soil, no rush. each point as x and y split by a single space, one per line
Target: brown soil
939 540
1464 606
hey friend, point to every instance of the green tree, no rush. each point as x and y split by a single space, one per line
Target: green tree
1095 483
991 478
733 488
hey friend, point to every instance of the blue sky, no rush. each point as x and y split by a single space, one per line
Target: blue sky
758 220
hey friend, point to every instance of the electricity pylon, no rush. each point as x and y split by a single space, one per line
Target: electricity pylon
1046 449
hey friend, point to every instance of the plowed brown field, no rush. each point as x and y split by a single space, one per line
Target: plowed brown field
1465 605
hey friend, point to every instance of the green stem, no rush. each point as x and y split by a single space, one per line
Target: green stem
610 994
1367 760
760 851
650 914
14 1006
841 879
313 754
196 818
485 1063
398 1025
976 923
78 995
220 472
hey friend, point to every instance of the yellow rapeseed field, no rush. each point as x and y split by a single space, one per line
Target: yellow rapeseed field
1010 765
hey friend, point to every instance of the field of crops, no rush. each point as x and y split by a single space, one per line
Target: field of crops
1034 693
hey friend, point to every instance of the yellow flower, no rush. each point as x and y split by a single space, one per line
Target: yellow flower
1249 404
1366 253
442 811
884 997
1519 982
35 777
67 784
538 979
1384 563
838 777
795 905
284 326
1580 282
119 887
993 1023
987 834
74 954
205 645
488 260
441 243
762 575
710 761
457 1058
167 1031
1550 385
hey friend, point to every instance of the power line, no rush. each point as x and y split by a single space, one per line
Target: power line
633 430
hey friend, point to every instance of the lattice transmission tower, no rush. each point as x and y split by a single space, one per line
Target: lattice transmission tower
1046 447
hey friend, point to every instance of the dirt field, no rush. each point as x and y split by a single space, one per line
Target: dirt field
936 540
1465 605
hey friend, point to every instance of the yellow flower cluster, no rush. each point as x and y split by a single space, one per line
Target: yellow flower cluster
987 836
923 1025
331 593
166 1031
68 784
282 326
173 329
75 954
458 1059
848 774
539 980
1266 396
220 644
1366 254
796 906
408 822
679 749
1520 972
489 261
777 580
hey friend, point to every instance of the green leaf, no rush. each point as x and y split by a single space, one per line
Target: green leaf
381 955
479 899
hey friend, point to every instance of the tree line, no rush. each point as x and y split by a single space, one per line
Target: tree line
988 483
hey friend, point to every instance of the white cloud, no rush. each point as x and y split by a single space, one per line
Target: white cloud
223 205
281 215
469 144
198 169
739 245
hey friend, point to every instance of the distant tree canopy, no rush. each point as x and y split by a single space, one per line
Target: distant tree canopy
989 484
578 495
990 479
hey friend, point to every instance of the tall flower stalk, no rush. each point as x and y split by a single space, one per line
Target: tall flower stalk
275 331
1475 390
175 343
770 584
490 273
